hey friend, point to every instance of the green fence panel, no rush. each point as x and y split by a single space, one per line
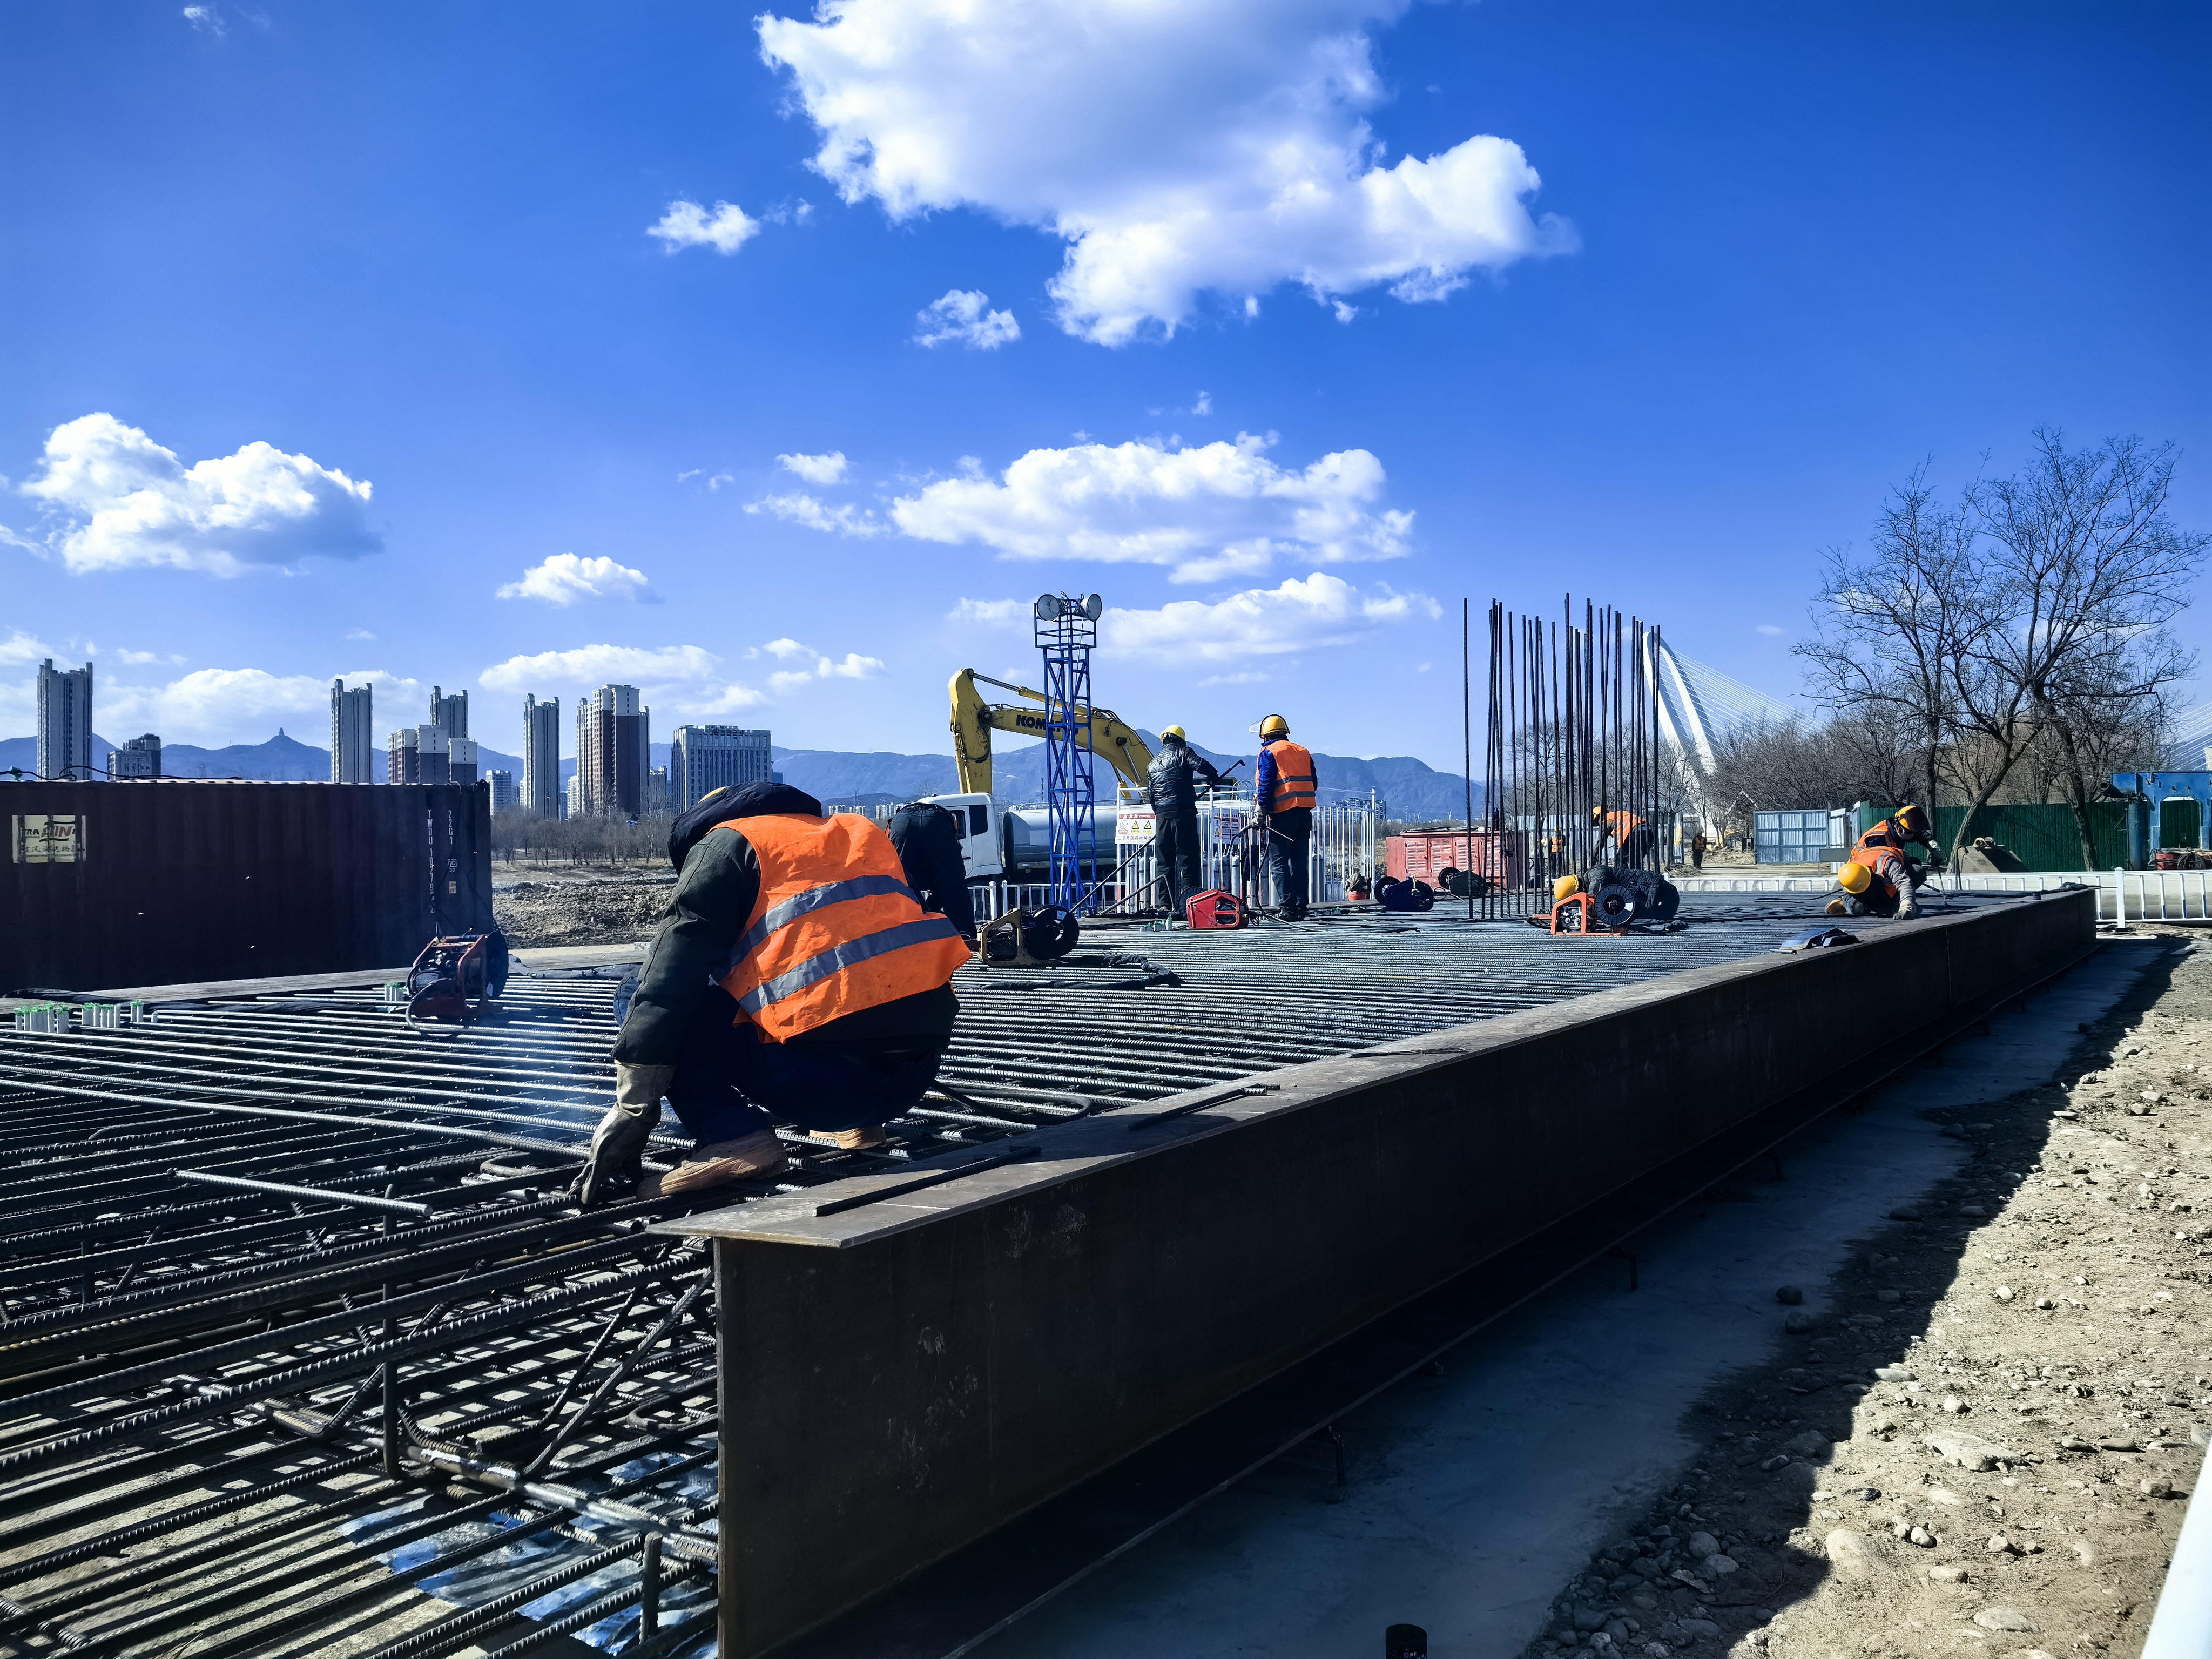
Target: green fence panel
2043 836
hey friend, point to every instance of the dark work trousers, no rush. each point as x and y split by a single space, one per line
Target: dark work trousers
730 1085
1289 833
1174 848
1635 851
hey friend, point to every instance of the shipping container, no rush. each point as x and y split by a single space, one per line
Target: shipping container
178 881
1501 857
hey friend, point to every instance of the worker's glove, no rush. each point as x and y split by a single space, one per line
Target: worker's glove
1906 909
619 1141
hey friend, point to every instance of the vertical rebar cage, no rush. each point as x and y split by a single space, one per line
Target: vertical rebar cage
1575 775
1066 632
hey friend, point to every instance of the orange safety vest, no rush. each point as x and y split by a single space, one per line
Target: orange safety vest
1888 866
835 928
1622 824
1294 777
1884 834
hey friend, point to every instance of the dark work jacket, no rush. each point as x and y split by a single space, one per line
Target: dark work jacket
928 841
1172 783
715 898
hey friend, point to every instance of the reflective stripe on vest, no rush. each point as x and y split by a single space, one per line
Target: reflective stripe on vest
1294 777
835 928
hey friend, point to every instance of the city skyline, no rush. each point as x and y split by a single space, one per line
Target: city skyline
1622 331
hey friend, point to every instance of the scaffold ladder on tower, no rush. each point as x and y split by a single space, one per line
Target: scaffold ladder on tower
1067 630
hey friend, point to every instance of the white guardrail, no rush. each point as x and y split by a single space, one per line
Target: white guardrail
2123 895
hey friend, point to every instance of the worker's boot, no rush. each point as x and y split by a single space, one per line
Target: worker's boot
718 1163
864 1138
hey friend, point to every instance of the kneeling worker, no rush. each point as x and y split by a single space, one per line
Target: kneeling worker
1880 880
795 977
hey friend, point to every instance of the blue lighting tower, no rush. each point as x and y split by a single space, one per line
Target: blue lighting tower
1066 630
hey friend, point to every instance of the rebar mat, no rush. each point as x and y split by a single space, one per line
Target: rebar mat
303 1349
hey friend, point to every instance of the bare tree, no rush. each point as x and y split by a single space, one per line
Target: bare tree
1894 631
2085 571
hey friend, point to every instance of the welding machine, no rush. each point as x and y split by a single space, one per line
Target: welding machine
1214 908
456 979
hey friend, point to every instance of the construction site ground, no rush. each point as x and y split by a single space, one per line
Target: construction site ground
1998 1260
579 905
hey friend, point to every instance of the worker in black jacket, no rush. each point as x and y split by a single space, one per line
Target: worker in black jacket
928 837
1171 784
830 1010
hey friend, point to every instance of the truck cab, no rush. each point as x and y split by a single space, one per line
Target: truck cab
978 818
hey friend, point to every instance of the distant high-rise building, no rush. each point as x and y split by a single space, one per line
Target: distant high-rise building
572 795
656 789
419 754
141 757
505 797
65 722
450 715
352 733
704 758
541 757
461 756
614 746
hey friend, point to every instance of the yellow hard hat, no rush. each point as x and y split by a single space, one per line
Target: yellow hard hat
1855 878
1597 815
1174 731
1911 822
1274 726
1565 888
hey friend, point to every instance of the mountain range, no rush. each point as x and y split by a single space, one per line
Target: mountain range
1413 791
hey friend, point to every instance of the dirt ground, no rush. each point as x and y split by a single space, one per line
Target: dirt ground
562 910
1985 1442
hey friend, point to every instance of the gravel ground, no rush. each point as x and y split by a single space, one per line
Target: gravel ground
1981 1436
601 910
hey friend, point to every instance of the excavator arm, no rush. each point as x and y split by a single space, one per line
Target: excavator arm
1101 731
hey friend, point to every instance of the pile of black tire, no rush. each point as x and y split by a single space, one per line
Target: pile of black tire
1619 897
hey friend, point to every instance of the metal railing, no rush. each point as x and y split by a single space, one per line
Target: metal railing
2123 895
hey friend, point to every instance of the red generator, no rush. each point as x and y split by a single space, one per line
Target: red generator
1214 908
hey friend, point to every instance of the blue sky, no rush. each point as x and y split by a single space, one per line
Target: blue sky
1779 256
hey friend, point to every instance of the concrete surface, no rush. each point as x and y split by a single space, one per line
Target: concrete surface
1474 1496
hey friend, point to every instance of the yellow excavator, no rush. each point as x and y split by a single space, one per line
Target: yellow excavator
1099 730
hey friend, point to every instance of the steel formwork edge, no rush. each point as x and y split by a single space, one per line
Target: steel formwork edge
961 1354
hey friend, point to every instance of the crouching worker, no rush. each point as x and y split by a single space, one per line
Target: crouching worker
1880 880
795 978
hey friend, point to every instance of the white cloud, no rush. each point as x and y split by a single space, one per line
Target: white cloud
686 224
716 483
213 706
115 499
815 469
960 315
1215 146
138 658
677 680
1221 508
1204 405
693 473
603 665
1301 614
990 613
843 520
564 579
1771 630
1247 677
21 648
206 19
359 634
